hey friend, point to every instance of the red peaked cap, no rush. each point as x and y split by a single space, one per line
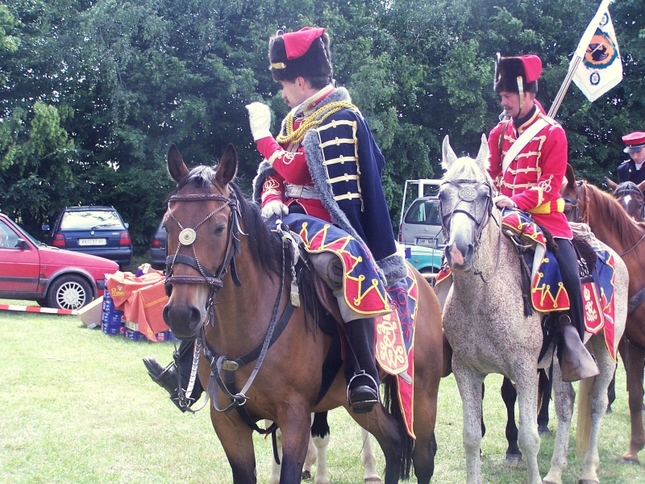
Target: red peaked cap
296 44
635 141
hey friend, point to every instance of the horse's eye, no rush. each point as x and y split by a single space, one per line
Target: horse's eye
219 230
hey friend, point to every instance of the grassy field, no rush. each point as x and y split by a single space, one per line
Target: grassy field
78 407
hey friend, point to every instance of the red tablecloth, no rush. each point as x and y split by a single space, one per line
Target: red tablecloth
141 299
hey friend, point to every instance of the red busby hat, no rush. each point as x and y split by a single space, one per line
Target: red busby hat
635 142
303 53
517 74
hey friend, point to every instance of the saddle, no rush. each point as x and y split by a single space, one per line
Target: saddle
394 331
596 273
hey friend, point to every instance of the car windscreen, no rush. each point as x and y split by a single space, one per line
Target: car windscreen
423 212
91 220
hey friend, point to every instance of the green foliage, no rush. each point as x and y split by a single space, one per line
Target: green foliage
94 92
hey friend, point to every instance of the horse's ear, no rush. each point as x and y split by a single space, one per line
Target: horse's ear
611 183
641 186
227 166
175 164
570 176
447 154
482 156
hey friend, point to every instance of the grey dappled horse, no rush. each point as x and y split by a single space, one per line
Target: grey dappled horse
485 323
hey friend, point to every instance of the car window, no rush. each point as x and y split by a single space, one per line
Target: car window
8 238
424 212
100 219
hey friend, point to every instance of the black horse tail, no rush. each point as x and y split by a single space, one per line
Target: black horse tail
391 404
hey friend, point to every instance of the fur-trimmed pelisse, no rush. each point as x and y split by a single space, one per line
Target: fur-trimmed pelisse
315 62
508 69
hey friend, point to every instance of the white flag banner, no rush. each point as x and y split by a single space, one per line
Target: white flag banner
601 67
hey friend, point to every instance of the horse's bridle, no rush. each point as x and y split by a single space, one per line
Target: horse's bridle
467 195
575 214
188 236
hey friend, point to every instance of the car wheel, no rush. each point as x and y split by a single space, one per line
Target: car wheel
69 292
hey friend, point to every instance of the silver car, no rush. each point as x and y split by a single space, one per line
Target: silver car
421 224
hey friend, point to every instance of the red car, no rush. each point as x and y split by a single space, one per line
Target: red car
53 277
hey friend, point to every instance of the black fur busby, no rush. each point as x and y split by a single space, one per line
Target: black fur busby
304 53
509 69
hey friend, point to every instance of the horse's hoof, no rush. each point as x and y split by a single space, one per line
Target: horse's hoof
514 458
306 475
372 479
543 430
630 460
588 481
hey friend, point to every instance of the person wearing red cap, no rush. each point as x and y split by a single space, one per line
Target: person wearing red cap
528 160
326 164
632 170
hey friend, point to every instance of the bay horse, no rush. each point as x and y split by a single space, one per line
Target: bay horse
630 196
489 331
229 282
611 224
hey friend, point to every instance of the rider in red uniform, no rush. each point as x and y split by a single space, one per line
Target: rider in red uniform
531 181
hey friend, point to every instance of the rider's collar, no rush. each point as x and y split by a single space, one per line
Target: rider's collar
310 105
525 121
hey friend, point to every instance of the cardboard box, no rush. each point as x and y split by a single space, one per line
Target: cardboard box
91 313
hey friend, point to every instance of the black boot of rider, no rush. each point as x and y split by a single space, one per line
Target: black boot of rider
170 379
576 363
360 366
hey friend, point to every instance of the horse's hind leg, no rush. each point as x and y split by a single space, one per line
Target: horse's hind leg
593 394
634 359
368 459
509 395
320 440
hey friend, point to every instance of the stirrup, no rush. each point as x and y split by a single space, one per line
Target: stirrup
362 397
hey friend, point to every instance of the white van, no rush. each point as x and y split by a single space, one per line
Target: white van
421 222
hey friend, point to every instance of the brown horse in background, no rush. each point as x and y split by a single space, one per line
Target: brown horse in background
230 282
630 196
611 224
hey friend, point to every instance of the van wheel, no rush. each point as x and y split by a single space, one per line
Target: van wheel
69 292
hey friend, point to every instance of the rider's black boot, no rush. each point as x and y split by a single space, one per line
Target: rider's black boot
170 379
360 366
576 362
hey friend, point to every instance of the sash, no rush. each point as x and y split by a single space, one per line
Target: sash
522 141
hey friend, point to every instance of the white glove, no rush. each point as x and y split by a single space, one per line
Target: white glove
275 208
502 201
259 119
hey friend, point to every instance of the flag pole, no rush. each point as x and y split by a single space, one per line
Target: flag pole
577 57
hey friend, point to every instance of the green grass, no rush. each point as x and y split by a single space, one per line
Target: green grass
78 407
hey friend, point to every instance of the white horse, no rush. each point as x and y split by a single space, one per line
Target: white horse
485 323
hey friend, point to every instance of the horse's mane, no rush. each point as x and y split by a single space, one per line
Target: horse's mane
264 245
608 208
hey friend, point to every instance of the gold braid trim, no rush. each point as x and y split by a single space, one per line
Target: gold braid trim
315 119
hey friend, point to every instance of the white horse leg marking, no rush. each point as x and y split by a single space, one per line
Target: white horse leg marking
368 459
